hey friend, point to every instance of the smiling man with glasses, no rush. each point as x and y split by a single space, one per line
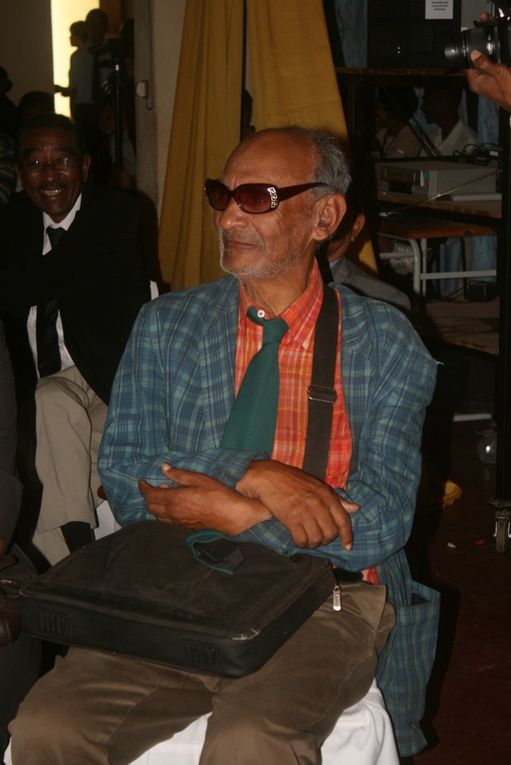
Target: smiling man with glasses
71 283
186 442
53 168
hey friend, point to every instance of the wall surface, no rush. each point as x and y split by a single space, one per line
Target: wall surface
470 10
25 45
63 14
168 16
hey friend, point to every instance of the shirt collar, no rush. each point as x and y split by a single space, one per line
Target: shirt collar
67 221
301 315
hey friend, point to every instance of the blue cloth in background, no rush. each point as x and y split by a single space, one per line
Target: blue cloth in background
484 248
352 21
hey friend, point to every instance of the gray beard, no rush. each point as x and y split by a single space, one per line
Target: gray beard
265 271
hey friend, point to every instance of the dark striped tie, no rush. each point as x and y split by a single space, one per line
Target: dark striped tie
48 353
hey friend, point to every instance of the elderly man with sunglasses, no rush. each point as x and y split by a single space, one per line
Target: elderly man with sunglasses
163 456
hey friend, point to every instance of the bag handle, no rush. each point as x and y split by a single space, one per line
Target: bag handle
215 550
321 391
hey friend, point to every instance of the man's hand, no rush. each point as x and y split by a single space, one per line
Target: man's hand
490 79
310 510
201 502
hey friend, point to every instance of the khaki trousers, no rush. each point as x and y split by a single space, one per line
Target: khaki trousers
105 709
69 424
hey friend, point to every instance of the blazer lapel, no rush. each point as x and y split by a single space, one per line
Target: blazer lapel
218 354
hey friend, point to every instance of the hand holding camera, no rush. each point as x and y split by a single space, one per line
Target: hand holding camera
486 52
490 79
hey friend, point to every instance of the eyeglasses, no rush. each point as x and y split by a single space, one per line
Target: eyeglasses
255 198
64 163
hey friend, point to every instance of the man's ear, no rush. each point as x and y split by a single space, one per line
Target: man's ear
358 225
331 210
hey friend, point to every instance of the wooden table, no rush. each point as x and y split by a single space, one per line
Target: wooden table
406 203
474 326
416 230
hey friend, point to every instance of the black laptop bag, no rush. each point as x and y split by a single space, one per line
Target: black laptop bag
220 606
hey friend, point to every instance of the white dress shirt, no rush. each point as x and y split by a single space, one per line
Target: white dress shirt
65 356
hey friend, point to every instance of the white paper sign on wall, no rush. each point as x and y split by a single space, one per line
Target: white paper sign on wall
439 9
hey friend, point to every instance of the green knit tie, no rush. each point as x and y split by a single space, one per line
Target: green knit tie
251 425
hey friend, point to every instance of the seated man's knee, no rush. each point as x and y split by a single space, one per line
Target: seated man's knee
246 725
251 737
50 391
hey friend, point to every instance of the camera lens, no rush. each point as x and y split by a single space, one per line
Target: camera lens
456 51
484 39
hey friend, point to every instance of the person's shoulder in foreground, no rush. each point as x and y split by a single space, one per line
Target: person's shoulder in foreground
346 272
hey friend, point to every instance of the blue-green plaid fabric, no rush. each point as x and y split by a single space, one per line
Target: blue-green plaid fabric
172 396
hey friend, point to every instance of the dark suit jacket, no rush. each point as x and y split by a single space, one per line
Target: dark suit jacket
345 271
96 273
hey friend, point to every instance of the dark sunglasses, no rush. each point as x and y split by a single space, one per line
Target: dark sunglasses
255 198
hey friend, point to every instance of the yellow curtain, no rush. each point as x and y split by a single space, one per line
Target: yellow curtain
205 129
292 76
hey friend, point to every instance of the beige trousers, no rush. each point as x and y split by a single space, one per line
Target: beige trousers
100 708
69 423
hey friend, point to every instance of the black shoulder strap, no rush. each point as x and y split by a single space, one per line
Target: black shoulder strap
321 392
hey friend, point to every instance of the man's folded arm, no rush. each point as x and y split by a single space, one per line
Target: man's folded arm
135 444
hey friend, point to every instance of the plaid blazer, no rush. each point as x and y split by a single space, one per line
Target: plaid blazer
172 396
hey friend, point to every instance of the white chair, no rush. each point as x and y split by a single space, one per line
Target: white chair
106 521
362 736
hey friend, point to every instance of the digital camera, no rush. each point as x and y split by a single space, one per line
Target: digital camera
493 38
